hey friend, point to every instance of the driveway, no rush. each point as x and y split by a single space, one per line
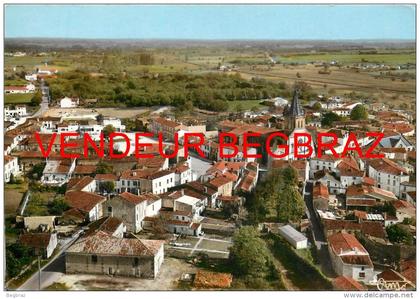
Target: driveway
317 233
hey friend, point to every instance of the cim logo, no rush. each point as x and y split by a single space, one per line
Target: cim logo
391 285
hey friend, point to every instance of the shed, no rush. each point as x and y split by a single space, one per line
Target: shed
295 238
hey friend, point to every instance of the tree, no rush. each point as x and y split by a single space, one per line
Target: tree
58 206
317 106
37 171
36 99
328 118
249 254
108 130
290 205
279 193
107 186
100 118
359 113
399 234
103 167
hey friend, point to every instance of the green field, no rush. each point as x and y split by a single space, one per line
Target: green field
246 105
344 58
18 98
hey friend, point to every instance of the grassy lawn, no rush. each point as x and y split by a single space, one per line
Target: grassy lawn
300 271
57 286
17 82
37 205
246 105
13 194
18 98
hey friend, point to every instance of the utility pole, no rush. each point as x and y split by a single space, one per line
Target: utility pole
39 273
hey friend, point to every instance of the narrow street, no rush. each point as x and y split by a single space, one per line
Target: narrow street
45 90
318 234
52 271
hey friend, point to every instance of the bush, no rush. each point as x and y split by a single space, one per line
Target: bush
57 206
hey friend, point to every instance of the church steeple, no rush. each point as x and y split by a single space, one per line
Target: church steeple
295 113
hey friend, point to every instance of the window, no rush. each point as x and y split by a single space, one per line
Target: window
109 209
94 258
136 261
362 274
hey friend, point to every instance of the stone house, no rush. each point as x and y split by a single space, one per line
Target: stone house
103 254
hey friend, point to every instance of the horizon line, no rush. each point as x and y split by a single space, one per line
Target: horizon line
214 39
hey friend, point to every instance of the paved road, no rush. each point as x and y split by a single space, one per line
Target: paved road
52 271
45 100
318 234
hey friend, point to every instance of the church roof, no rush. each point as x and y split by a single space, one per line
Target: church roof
295 109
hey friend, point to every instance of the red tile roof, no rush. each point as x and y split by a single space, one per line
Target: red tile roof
220 181
79 183
408 269
320 191
35 240
106 177
387 166
85 169
103 243
344 283
84 201
130 197
166 122
402 204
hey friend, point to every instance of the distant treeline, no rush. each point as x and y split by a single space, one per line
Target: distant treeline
207 91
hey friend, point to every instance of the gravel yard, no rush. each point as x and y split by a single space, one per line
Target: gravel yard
167 279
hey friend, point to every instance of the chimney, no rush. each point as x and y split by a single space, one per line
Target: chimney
182 192
205 189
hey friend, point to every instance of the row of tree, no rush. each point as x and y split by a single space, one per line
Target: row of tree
277 197
208 91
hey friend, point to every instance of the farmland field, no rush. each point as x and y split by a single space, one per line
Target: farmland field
18 98
388 58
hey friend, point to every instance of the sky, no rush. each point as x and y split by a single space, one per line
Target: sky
278 22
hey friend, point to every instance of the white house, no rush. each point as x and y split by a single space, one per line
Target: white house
190 204
31 77
43 244
11 167
139 181
324 162
342 111
183 174
90 204
349 258
130 208
388 175
67 102
115 122
29 88
17 111
58 172
396 141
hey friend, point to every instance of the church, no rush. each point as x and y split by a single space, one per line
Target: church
295 123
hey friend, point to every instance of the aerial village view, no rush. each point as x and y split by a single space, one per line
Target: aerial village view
173 160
